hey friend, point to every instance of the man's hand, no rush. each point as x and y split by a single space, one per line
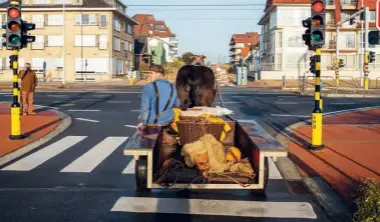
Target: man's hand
139 127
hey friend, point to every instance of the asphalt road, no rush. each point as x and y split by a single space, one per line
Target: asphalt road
82 175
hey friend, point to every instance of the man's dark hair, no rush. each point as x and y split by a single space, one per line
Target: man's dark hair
158 68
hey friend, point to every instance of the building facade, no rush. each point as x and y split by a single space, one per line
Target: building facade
283 52
241 46
77 41
157 31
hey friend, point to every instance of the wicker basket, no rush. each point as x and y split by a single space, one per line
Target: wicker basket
192 118
190 131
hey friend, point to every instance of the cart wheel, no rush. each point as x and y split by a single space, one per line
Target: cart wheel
262 192
141 174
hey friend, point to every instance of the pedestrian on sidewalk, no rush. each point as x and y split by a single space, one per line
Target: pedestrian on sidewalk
158 100
28 86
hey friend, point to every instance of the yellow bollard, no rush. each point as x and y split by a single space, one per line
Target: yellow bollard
316 139
15 107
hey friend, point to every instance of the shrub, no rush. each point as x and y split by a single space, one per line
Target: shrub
368 201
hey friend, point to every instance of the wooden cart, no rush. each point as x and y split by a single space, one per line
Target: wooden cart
253 141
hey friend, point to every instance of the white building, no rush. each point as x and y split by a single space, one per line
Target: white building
283 52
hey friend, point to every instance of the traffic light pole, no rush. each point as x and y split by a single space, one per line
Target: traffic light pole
316 141
15 107
337 58
366 71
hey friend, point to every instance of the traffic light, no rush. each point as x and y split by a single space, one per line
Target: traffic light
25 37
341 63
12 58
318 27
312 64
352 21
306 37
372 57
13 27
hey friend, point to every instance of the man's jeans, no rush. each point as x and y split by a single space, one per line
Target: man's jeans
27 100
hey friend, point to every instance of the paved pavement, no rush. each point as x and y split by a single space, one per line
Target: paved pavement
82 175
33 127
351 151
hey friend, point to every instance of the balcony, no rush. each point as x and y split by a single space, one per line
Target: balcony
348 4
331 23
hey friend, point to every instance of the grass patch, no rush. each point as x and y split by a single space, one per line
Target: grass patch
368 201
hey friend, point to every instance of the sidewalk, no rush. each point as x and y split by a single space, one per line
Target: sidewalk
33 126
352 151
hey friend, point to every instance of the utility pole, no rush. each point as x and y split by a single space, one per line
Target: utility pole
64 43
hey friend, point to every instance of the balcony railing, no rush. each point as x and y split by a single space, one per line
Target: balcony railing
331 22
348 2
330 2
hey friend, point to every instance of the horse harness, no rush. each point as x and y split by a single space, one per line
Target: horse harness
158 114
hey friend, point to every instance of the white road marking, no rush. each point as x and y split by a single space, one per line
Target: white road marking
288 115
119 102
59 96
286 96
342 103
87 120
5 93
51 107
231 102
215 207
286 103
135 110
101 96
240 96
35 159
274 173
130 169
88 161
83 110
130 126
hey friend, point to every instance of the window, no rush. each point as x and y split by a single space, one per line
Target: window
126 45
103 42
347 41
103 21
41 2
55 19
39 43
55 40
97 65
326 61
296 41
38 63
130 29
279 39
85 19
85 40
159 26
61 2
296 60
116 24
39 21
116 43
372 16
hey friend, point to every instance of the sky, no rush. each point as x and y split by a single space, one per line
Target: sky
202 31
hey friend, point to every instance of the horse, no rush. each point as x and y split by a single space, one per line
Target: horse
195 86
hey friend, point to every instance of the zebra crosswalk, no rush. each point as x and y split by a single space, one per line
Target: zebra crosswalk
87 162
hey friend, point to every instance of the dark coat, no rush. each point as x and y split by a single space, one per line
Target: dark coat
28 81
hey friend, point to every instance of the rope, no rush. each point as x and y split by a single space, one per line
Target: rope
164 172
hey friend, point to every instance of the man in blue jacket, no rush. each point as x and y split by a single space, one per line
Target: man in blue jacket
158 100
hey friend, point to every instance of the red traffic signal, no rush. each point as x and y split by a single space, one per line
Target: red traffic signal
318 7
14 13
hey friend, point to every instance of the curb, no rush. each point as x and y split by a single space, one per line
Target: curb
331 203
65 122
342 95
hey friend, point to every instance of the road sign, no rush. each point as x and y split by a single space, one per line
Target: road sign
377 15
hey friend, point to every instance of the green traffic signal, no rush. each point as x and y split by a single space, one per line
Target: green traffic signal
14 39
317 36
